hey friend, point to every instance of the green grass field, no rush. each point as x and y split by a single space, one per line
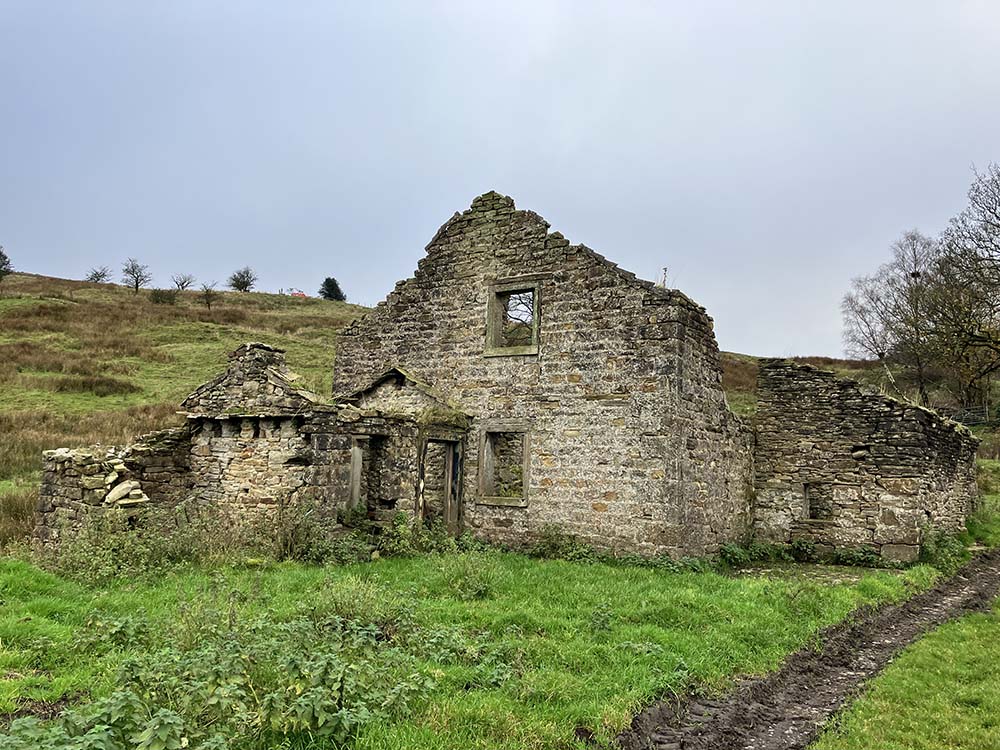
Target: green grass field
540 649
943 693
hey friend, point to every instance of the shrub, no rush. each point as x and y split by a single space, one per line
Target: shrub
803 550
944 551
243 280
404 536
738 556
554 543
860 557
112 544
163 296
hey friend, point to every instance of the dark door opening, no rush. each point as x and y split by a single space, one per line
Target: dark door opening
440 483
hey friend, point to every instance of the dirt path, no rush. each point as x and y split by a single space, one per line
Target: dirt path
786 710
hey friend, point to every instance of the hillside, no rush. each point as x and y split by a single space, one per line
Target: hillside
88 363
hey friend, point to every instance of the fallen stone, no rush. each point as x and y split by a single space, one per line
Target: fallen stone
121 491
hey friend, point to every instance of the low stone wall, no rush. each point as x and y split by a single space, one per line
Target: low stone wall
848 469
82 484
161 463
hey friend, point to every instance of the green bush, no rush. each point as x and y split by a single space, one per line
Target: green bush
405 536
944 551
803 550
554 543
860 557
738 556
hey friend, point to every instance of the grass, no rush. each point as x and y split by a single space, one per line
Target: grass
942 692
94 363
584 645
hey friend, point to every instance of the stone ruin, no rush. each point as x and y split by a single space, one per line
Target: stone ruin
518 382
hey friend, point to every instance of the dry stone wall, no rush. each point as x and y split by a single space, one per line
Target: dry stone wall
630 443
81 484
845 468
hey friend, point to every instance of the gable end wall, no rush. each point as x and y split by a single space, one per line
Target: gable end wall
632 446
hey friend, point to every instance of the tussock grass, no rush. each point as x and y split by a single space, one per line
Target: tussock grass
28 433
17 510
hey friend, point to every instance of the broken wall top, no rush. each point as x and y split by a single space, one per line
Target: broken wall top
806 412
257 382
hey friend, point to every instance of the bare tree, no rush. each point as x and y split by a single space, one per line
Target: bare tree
208 295
972 254
243 280
135 275
182 281
887 315
98 275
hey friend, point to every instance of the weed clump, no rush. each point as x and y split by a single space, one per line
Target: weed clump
257 684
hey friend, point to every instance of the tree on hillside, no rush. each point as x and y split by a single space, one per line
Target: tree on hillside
135 275
933 311
98 275
243 280
6 267
182 281
208 294
887 315
331 290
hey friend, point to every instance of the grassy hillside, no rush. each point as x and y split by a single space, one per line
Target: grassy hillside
94 363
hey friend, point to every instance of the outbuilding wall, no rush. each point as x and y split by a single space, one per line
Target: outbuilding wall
846 468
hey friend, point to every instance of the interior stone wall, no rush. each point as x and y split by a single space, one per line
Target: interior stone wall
882 471
631 444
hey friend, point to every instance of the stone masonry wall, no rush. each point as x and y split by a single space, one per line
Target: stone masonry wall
845 468
631 444
250 464
78 485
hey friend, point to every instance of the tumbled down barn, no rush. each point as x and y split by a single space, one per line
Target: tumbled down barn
518 382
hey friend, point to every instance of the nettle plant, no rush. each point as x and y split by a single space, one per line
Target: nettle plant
301 683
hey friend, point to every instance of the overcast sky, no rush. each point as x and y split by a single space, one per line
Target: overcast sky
764 152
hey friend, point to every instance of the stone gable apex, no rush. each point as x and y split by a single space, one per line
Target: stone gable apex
256 382
398 390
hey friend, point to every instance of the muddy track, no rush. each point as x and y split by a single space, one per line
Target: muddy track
786 710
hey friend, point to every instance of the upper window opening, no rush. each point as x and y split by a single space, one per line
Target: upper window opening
512 327
517 326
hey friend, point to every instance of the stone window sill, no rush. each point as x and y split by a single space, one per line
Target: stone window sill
509 502
512 351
